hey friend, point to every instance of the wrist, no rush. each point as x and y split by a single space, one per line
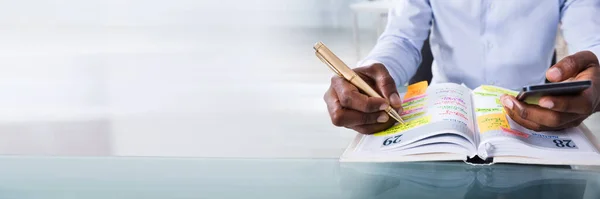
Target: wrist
390 71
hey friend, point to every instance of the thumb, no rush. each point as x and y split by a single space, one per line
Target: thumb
570 66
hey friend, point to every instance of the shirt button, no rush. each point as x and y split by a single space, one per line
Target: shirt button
491 5
489 44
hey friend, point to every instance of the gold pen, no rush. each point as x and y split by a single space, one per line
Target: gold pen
342 70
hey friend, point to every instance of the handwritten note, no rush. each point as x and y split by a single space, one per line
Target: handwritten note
406 126
411 102
453 108
498 90
491 122
414 103
493 91
455 113
487 110
457 103
411 111
406 118
486 94
449 92
456 99
450 104
414 106
416 89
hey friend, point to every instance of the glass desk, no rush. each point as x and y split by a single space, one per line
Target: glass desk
144 177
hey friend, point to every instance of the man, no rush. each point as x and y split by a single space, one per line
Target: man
508 43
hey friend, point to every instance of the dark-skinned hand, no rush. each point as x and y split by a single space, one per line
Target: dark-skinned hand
560 112
350 108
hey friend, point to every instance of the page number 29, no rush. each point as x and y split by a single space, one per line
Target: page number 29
564 143
392 140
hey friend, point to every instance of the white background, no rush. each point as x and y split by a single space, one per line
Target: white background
230 78
226 78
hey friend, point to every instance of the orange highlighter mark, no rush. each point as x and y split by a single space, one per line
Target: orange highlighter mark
416 89
492 122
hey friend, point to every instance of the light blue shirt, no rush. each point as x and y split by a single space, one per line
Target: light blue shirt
508 43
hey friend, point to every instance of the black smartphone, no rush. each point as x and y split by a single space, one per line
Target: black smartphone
559 88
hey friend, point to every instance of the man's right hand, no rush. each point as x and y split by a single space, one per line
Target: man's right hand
350 108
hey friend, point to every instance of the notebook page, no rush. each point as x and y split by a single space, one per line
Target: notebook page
566 144
489 112
452 102
442 109
500 135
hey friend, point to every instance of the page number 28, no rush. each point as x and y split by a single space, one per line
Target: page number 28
564 143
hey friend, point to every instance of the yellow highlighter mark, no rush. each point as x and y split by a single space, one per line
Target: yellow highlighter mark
495 89
416 89
492 122
486 94
406 126
414 101
407 118
532 100
412 107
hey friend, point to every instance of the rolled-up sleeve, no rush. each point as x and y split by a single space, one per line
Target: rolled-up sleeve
399 47
580 24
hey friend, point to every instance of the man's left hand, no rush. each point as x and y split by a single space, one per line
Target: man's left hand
560 112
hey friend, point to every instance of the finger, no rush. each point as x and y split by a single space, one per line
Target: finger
536 115
575 123
529 124
523 122
384 83
373 128
330 98
341 116
570 66
349 118
350 98
580 104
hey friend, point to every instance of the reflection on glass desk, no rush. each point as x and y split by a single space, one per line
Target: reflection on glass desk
122 177
459 180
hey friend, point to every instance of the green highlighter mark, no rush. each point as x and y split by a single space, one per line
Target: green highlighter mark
486 94
487 110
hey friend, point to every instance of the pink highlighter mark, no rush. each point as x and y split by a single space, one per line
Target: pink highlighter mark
413 99
406 112
515 132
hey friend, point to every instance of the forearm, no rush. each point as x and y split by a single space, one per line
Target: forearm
398 55
399 47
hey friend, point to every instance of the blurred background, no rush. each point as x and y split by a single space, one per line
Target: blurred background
227 78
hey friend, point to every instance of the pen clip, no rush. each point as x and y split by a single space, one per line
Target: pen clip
335 70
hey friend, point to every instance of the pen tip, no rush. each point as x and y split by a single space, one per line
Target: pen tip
396 116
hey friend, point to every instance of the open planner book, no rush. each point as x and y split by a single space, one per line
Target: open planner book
448 121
